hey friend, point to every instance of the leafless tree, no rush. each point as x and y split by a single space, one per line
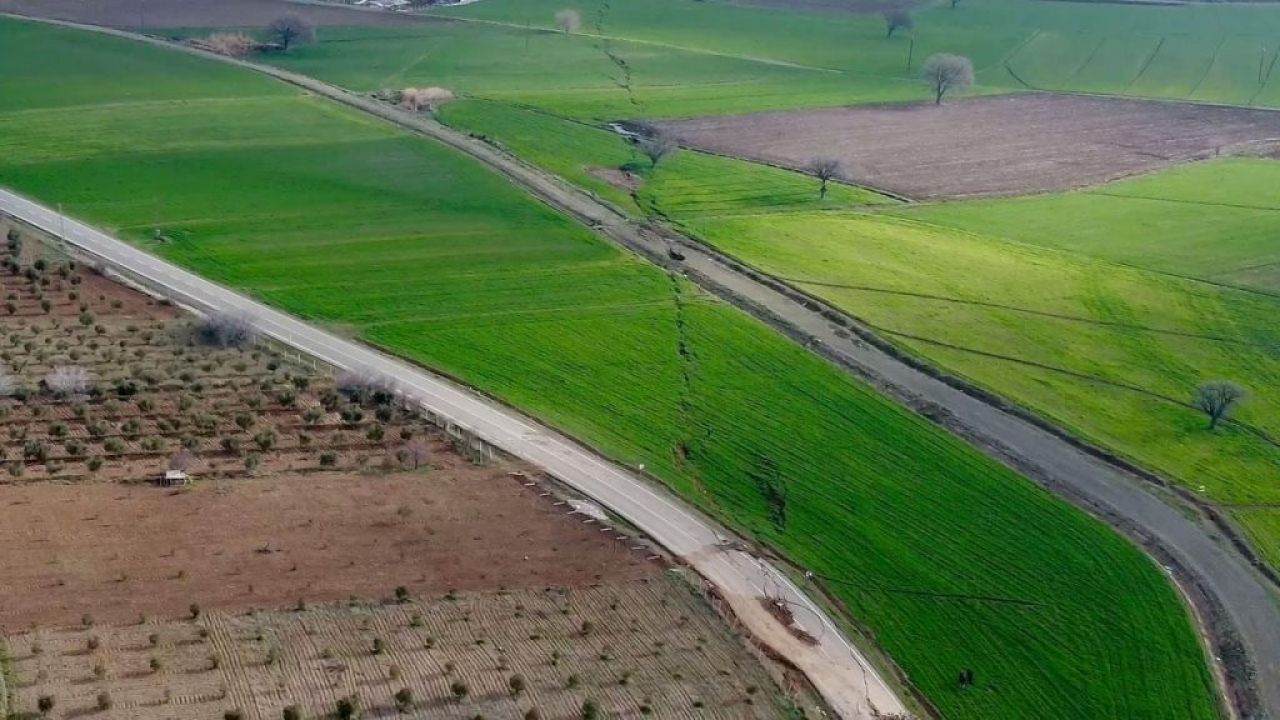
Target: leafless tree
656 146
227 330
413 455
896 19
568 20
947 73
825 169
1216 398
290 30
68 381
231 44
182 461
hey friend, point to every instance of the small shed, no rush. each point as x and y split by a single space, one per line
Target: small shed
174 477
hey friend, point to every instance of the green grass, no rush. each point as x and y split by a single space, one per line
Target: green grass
949 559
1263 528
688 58
1105 350
692 58
685 185
572 75
1216 221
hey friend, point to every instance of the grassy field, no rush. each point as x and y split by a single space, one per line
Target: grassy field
686 185
952 561
1216 221
689 58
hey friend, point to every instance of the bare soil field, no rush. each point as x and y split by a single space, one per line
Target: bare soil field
462 580
134 14
116 552
648 646
988 146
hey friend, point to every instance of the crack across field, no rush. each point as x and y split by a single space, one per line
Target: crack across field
685 451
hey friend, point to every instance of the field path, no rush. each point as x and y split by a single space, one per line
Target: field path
1236 607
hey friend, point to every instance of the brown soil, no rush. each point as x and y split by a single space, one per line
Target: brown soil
648 642
332 506
115 552
621 179
989 146
151 14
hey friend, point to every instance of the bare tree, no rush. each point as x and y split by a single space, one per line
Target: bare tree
227 330
182 461
231 44
428 98
947 73
568 20
896 19
656 146
1216 398
290 30
68 381
825 169
413 455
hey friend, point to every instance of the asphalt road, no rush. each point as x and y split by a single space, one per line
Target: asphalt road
1234 602
838 670
1225 587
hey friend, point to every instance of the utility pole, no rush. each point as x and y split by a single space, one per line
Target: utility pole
911 51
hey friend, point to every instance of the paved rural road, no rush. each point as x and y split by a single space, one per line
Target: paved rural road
835 667
1205 566
1229 593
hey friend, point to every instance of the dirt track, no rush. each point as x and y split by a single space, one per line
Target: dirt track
1004 145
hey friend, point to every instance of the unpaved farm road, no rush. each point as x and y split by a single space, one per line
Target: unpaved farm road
1232 599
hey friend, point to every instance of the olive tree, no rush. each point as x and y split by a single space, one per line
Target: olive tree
947 73
1216 398
290 30
825 169
227 330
